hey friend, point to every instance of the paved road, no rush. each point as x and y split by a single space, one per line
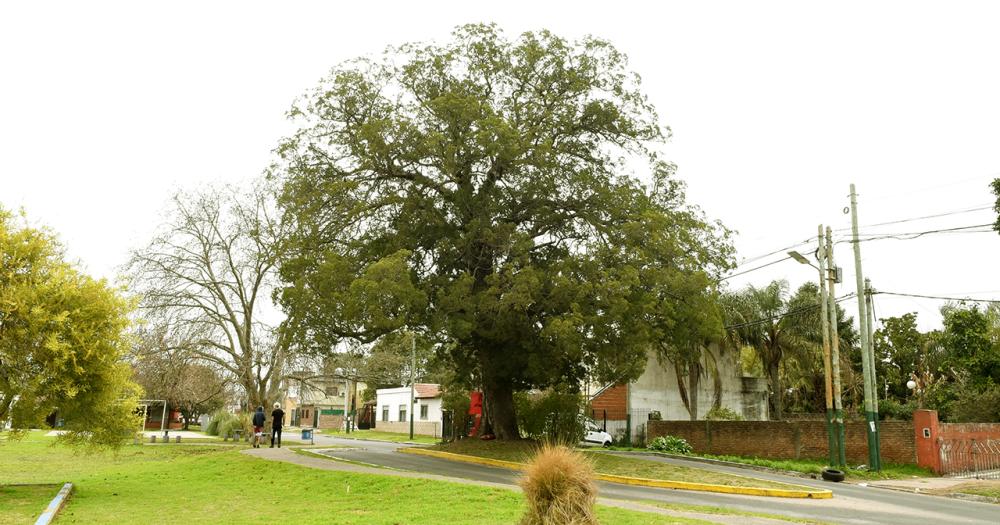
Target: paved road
851 504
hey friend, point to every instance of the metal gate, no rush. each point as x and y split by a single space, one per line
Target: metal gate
970 458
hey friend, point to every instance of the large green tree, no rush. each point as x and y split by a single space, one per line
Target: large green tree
483 192
63 342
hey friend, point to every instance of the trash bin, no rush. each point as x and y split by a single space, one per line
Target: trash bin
307 434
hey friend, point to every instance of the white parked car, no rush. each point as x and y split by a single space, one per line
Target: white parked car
596 435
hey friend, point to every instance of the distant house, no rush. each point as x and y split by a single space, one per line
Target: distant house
320 402
393 413
658 394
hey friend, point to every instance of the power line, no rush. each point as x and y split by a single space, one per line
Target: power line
754 269
775 252
921 296
912 219
797 311
913 235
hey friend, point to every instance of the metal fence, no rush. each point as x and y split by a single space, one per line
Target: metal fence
970 458
619 423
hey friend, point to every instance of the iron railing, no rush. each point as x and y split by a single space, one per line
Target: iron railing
970 458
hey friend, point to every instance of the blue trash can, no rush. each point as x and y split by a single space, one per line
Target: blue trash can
307 433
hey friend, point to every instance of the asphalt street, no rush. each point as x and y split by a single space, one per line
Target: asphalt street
850 504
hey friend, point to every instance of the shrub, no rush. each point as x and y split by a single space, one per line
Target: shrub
722 414
671 445
551 416
559 488
222 423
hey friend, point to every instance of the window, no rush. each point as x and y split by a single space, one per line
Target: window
423 412
332 391
385 412
402 413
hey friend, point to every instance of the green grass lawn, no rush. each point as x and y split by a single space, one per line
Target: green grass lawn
23 503
206 484
989 489
722 511
815 466
382 436
522 451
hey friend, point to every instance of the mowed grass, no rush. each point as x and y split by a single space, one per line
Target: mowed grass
205 484
23 503
523 450
382 436
989 489
816 466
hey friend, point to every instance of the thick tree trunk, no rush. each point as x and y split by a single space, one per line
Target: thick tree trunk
500 409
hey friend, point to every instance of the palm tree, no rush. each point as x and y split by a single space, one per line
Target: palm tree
766 320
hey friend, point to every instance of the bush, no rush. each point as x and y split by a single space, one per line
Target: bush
722 414
892 409
222 423
551 416
671 445
559 488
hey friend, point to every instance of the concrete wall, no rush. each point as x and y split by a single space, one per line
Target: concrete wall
420 428
788 439
657 388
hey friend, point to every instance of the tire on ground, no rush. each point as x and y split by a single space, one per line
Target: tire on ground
832 474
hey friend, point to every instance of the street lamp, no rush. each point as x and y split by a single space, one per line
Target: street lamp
800 258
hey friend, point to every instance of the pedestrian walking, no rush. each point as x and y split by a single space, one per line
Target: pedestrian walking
277 417
258 426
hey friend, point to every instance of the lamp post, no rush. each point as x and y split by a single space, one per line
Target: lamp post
833 444
413 366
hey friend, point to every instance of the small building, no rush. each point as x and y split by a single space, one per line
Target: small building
661 393
392 412
320 400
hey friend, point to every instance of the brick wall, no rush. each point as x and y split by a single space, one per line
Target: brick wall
611 399
787 439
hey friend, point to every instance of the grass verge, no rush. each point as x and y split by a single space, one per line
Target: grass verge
521 452
988 489
24 503
375 435
218 484
722 511
815 466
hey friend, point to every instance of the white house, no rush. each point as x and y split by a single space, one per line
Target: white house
392 413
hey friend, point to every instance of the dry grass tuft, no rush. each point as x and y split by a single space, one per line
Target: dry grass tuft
559 488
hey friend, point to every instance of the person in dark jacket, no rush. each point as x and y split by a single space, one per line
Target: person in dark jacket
277 417
258 426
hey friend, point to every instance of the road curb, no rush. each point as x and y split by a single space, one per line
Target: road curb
645 482
55 505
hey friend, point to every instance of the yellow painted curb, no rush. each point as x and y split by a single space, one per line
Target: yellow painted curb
644 482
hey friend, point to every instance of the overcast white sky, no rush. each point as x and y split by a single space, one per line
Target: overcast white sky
776 108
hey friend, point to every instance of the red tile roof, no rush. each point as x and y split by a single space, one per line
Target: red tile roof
427 390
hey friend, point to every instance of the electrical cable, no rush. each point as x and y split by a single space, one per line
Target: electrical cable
912 219
775 252
921 296
797 311
913 235
754 269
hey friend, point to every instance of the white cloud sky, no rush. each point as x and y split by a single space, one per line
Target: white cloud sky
776 107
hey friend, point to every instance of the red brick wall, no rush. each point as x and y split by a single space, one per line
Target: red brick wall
787 439
977 431
611 399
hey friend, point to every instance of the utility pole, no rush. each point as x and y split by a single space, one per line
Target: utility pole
870 308
870 415
827 371
831 297
413 367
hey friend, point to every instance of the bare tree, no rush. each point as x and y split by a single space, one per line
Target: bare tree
167 369
209 273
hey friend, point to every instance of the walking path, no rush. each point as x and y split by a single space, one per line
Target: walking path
288 456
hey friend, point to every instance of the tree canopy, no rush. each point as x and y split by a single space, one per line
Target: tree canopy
63 340
488 193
